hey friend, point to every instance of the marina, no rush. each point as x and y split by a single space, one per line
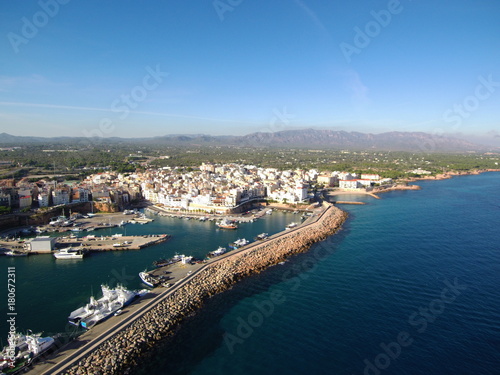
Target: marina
56 278
182 275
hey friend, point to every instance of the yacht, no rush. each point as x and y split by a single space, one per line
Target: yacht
69 253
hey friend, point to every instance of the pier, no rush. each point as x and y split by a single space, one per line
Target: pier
113 242
120 343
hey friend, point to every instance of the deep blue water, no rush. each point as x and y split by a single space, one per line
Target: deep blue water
416 273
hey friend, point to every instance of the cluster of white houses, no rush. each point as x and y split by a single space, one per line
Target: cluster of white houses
350 181
209 188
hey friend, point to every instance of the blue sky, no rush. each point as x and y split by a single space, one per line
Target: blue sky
236 67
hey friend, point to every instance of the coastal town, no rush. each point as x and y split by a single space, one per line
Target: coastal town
225 193
210 188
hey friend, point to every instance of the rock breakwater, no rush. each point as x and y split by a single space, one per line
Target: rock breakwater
123 351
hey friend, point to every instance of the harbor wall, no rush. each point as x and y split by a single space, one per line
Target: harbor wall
129 347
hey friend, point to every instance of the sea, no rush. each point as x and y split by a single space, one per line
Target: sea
410 285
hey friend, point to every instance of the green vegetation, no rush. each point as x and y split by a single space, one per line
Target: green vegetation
76 162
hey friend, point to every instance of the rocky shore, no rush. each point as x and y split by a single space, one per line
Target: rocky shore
395 188
451 174
123 351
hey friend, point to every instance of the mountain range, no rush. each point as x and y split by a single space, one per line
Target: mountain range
304 138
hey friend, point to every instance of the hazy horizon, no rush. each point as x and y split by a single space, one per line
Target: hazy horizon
235 68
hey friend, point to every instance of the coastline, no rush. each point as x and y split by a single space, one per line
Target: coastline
448 175
124 349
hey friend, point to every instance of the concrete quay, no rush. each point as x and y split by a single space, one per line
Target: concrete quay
118 345
113 243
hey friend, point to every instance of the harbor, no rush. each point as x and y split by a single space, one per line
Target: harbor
116 345
58 280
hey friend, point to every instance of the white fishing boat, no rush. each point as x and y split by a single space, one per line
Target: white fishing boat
95 311
221 250
22 350
148 279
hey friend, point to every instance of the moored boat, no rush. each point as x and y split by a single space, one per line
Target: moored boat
226 224
22 350
221 250
148 279
240 242
95 311
69 253
261 236
15 253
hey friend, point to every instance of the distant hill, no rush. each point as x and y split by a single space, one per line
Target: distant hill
305 138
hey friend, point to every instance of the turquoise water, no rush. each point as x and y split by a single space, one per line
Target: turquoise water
380 283
48 290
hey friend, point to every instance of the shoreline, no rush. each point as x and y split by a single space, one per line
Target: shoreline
124 349
188 306
448 175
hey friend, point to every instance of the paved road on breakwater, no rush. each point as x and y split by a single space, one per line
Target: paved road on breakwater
91 340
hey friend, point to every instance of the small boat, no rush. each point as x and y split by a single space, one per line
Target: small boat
166 262
226 224
261 236
15 253
239 243
291 225
69 253
221 250
148 279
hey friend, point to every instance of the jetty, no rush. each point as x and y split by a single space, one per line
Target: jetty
113 242
122 343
